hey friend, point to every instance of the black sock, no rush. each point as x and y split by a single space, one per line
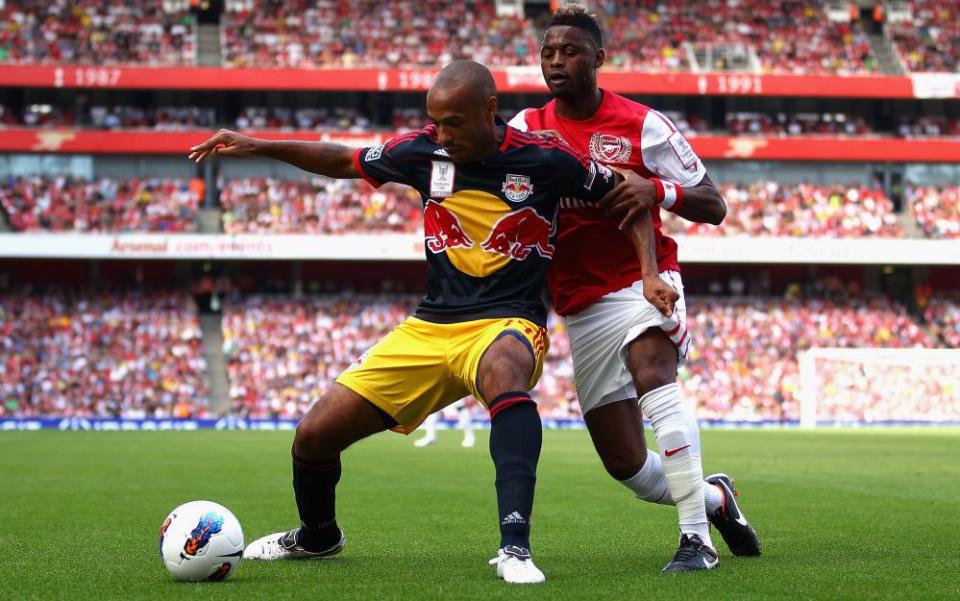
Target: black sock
515 439
315 485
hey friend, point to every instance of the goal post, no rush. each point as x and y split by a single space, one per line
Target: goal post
879 385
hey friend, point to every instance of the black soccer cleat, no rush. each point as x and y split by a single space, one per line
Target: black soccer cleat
730 522
692 555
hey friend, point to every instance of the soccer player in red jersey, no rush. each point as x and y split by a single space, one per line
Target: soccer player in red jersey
623 347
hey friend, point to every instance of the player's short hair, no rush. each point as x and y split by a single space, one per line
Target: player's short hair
470 74
575 15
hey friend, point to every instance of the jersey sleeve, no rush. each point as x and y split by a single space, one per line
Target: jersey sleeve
388 162
667 154
582 177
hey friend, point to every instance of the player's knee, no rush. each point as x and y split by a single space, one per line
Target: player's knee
652 376
312 440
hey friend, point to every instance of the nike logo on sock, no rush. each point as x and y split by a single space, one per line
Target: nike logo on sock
672 452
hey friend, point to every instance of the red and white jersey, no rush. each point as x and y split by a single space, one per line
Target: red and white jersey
593 257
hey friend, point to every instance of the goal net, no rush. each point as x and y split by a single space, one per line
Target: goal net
879 386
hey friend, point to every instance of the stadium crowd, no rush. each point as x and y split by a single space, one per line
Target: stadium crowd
282 353
65 203
88 32
380 33
943 315
930 40
793 36
769 208
743 365
318 205
797 124
140 355
935 209
104 354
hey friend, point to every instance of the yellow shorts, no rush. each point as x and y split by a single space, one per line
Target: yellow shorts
421 367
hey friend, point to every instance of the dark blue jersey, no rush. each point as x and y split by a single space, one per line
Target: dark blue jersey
489 226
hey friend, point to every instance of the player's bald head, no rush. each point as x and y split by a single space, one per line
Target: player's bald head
467 78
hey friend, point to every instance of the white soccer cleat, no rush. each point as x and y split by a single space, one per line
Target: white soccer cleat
283 545
515 565
425 441
468 440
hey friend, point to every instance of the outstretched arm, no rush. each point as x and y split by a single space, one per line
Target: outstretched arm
330 160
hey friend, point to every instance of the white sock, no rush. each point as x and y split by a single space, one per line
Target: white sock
678 438
430 426
464 422
650 484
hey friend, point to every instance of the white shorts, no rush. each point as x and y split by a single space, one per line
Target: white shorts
600 334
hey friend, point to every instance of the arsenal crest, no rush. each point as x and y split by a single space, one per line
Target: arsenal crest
517 188
610 149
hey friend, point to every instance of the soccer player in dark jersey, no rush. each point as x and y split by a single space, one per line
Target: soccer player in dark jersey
623 347
490 197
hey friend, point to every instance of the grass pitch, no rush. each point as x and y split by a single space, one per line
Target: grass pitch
842 515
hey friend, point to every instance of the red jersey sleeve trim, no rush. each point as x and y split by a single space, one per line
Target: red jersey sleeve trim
358 165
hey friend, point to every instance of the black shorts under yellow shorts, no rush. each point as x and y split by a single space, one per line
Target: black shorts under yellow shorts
421 367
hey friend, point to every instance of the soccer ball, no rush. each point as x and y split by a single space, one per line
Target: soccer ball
201 540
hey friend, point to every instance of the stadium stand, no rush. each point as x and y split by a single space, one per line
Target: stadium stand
65 203
743 367
371 33
105 354
318 205
281 352
935 209
943 315
774 209
930 40
95 33
794 36
797 124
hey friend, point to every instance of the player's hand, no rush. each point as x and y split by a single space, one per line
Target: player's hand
550 134
629 198
660 294
226 143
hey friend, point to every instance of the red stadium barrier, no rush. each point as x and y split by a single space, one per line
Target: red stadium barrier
799 148
518 79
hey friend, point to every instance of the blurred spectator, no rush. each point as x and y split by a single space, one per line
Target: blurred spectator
931 40
65 203
318 205
282 353
743 365
794 36
943 315
774 209
340 119
88 32
936 210
382 33
797 124
106 354
929 127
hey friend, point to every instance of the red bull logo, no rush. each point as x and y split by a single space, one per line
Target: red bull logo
442 229
517 188
209 524
518 233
